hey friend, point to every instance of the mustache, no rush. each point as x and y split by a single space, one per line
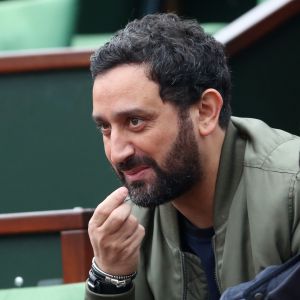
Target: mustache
135 161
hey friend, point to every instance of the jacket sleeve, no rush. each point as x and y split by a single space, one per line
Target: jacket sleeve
89 295
295 243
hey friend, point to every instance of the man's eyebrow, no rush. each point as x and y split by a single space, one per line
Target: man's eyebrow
125 113
98 119
132 112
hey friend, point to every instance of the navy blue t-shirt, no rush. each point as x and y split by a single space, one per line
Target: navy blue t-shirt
199 242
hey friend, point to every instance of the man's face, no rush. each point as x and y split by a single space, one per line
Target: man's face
151 146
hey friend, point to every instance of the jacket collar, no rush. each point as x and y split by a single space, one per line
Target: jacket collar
229 174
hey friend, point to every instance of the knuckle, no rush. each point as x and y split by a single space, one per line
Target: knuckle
101 233
133 221
92 227
98 237
141 230
103 212
104 245
117 218
91 224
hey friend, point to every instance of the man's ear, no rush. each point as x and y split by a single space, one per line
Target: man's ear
209 107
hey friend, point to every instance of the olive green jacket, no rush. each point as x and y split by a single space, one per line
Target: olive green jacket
256 219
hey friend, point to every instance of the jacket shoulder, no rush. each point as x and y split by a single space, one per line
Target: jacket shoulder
268 148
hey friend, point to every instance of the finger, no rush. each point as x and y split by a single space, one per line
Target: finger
105 208
133 243
136 238
116 220
126 230
123 248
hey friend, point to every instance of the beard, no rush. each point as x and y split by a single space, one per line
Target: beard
179 172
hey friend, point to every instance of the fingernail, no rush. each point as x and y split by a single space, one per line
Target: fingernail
127 199
124 190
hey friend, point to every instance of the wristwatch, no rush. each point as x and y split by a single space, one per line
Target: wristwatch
101 282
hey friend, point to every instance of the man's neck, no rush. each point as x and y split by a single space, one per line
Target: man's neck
197 205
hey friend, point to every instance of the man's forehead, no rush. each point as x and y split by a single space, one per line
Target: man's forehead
127 79
126 85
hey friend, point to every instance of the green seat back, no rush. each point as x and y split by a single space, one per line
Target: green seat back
99 39
59 292
26 24
90 40
213 27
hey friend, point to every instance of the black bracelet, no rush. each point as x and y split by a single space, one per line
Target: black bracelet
101 282
117 280
100 286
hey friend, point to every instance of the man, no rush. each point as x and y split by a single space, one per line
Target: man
213 199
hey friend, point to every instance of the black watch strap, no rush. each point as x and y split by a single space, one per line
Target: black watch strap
98 285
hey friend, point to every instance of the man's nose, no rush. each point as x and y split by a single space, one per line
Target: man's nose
121 148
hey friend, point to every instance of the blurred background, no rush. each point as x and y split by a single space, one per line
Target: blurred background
51 156
28 24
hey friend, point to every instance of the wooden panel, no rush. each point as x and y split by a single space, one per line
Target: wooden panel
34 257
45 221
76 250
76 255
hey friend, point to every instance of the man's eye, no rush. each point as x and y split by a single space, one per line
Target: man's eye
104 128
135 122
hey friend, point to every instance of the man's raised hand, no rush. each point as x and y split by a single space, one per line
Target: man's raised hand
116 235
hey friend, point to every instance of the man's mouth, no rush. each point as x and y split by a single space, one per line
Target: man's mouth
137 173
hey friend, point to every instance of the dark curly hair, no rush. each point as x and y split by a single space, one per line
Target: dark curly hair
179 56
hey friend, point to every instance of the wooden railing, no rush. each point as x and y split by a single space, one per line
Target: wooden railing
256 23
44 60
71 224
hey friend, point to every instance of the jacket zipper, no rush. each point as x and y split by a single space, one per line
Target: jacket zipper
182 258
184 292
216 265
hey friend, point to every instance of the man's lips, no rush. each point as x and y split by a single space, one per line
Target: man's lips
136 173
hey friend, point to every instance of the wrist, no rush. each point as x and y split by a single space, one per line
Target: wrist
100 272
